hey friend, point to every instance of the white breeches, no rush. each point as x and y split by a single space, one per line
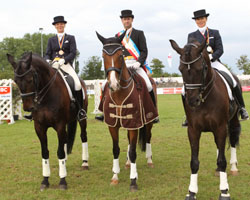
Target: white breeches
217 65
141 72
69 69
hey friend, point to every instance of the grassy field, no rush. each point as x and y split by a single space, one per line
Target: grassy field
21 169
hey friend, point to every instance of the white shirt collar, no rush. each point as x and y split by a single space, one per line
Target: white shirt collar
129 30
60 35
203 29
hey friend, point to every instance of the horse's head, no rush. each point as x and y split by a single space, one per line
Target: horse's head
113 60
194 66
26 79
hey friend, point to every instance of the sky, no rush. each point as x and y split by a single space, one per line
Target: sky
160 20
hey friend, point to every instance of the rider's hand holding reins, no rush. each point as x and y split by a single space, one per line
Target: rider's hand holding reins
136 65
61 62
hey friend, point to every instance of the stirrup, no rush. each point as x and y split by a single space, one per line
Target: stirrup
81 115
184 122
100 118
156 120
244 115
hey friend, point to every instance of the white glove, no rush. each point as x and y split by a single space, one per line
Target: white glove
210 56
48 61
136 65
61 62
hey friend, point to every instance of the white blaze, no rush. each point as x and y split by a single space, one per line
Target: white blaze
113 80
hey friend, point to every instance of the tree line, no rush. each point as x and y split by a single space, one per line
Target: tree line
92 68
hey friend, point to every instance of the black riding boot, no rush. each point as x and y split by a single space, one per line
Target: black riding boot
156 120
100 117
28 117
185 123
79 100
239 98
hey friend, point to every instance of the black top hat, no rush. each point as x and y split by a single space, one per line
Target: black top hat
58 19
126 13
200 13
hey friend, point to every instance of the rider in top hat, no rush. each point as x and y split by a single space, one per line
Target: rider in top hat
139 42
61 50
215 50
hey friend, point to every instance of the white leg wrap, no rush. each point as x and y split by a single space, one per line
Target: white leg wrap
133 171
46 169
85 151
116 167
148 150
217 153
193 187
115 177
223 181
65 150
62 168
128 153
233 159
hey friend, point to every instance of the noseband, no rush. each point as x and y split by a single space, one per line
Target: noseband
200 86
36 93
110 49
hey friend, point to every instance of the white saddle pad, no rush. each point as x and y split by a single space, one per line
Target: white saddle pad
229 91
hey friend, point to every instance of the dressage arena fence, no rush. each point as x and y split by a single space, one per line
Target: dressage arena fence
7 109
165 85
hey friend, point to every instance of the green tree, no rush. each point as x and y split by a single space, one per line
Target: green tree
92 69
77 67
228 67
243 63
18 46
157 67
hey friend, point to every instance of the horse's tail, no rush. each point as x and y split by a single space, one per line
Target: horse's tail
71 130
143 137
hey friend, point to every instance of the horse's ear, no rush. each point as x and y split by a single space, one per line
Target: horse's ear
11 60
101 38
120 38
28 59
176 47
202 46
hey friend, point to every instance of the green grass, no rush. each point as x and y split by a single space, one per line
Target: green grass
21 164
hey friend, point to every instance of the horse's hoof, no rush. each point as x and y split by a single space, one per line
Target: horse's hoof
151 165
133 188
85 167
43 187
224 197
190 196
114 182
127 166
63 184
63 187
234 173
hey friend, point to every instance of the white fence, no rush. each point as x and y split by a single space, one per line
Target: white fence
6 104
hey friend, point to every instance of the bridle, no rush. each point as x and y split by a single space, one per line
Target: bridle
200 86
113 68
36 93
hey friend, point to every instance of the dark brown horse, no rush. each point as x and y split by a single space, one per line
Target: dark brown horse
207 107
44 93
120 85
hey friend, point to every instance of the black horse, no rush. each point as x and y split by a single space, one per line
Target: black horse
44 93
207 108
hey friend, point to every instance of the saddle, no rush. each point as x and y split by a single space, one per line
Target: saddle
136 110
229 85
